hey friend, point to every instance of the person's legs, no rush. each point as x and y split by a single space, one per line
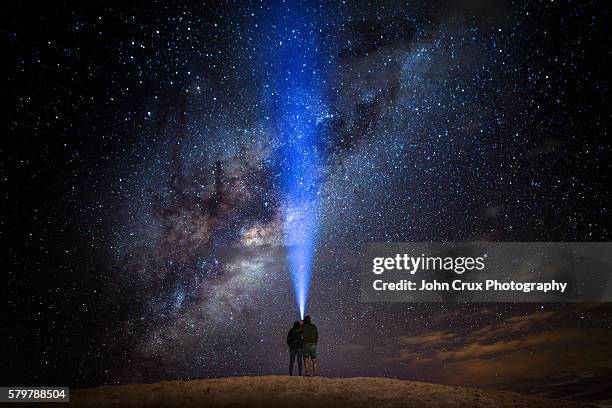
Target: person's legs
299 361
310 351
292 354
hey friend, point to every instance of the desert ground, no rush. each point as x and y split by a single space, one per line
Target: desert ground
284 391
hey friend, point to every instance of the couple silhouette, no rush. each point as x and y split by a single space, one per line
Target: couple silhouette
302 341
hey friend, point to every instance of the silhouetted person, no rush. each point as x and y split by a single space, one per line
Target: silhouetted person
310 336
295 343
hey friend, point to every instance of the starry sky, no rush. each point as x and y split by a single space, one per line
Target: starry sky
155 152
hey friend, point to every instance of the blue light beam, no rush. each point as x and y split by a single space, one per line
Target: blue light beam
293 93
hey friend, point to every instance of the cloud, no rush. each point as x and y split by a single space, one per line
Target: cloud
431 338
515 353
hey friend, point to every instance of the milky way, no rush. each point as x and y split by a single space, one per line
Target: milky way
147 173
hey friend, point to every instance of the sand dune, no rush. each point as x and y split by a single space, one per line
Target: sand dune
283 391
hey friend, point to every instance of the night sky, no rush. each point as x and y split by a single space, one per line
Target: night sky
151 163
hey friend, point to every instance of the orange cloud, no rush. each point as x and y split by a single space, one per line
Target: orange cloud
516 352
